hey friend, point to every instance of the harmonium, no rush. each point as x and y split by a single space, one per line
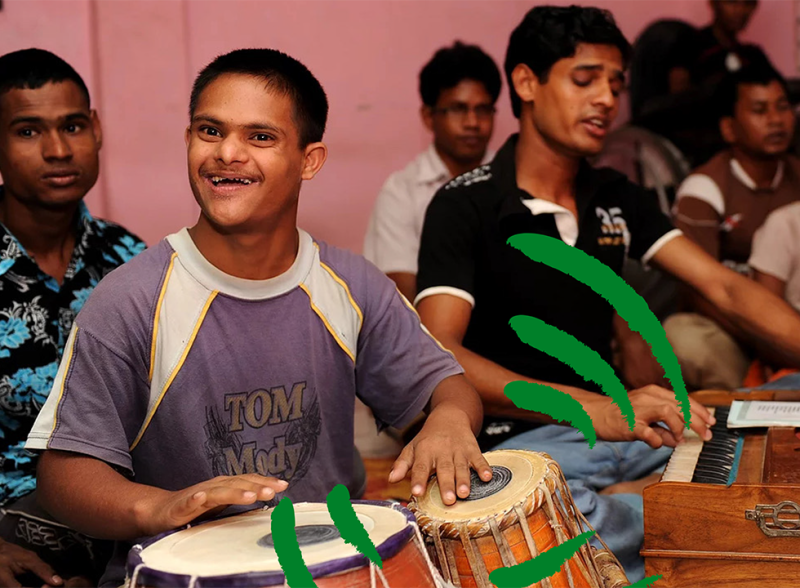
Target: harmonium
726 513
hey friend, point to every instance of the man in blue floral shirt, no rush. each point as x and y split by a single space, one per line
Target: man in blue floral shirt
52 254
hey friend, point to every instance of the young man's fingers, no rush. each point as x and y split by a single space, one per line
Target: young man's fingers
276 484
420 472
34 564
463 476
402 464
222 495
648 434
7 578
479 463
445 476
667 438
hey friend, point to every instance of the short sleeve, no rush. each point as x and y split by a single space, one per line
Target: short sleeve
651 228
399 364
392 240
447 248
774 245
92 408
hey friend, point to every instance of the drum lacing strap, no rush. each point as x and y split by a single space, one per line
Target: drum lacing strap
373 582
424 549
583 521
135 575
577 528
193 582
502 544
476 562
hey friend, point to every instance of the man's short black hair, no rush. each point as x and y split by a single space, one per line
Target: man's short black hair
30 69
759 73
282 74
548 34
449 66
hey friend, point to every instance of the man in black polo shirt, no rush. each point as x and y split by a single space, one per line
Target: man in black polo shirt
565 68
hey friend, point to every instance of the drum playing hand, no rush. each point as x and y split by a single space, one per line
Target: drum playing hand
15 561
446 446
175 509
659 419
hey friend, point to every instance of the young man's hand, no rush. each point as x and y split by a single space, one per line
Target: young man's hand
170 510
659 419
16 561
447 447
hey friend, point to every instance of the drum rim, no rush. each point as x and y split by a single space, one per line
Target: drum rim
389 548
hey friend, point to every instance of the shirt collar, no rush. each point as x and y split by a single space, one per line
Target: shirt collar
432 169
589 182
740 174
11 249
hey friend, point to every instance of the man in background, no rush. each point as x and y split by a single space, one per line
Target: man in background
459 87
722 204
52 255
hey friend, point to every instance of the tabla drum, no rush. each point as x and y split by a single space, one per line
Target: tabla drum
239 551
523 511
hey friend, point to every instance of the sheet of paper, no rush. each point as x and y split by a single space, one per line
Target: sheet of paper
763 413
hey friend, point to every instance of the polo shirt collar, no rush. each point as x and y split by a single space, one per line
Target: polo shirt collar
740 174
589 182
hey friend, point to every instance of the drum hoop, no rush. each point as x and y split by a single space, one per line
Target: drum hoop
479 526
147 575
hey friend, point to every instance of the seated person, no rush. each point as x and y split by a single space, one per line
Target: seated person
53 254
221 365
565 70
720 206
678 102
459 87
775 261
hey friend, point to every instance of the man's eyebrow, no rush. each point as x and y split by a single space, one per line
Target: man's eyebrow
39 120
206 118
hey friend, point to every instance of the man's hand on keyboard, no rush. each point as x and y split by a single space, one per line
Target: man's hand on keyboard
659 420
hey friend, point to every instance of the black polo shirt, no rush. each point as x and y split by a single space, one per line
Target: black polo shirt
464 253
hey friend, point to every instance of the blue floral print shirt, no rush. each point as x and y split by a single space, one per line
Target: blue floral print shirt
36 315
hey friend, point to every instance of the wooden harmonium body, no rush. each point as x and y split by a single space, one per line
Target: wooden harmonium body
726 513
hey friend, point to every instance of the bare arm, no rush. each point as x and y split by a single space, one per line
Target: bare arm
639 367
447 318
767 321
90 496
771 283
406 283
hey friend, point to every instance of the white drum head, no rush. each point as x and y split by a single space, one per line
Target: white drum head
243 543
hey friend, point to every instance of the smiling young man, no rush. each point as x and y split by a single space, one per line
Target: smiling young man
52 254
222 365
722 204
459 87
565 68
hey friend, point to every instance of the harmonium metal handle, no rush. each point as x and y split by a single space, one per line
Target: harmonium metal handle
776 520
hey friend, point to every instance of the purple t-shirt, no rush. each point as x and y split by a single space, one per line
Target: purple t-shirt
176 372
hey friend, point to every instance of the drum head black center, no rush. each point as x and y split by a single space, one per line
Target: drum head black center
501 477
306 535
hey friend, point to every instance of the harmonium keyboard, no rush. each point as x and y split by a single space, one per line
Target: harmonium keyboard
726 513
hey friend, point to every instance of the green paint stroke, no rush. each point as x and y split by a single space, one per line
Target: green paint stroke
584 360
624 299
645 582
552 402
351 529
286 547
541 567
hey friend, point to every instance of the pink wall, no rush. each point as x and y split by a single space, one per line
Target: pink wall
139 58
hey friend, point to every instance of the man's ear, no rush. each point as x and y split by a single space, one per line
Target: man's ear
727 128
525 82
187 135
426 113
316 154
97 128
